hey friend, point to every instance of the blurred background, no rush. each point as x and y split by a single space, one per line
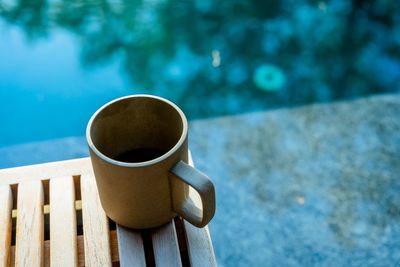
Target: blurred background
315 186
61 60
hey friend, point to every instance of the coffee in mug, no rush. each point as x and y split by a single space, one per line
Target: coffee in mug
138 146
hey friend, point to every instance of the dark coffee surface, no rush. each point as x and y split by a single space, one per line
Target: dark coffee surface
140 154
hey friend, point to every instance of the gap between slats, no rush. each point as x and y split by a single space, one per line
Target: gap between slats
46 226
162 246
80 250
5 224
183 247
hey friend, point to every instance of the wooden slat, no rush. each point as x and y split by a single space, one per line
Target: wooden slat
47 170
81 251
5 224
200 249
29 238
130 245
63 244
97 237
165 245
95 225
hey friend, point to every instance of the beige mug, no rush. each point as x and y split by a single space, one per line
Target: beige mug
139 151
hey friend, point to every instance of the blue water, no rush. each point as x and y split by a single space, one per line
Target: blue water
60 61
44 91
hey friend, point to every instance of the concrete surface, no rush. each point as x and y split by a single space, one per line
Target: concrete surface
311 186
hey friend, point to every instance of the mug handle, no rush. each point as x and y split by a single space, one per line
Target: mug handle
204 187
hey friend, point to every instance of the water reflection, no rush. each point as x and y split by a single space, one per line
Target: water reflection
327 50
223 57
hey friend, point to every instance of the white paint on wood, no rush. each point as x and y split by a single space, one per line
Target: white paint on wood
130 246
29 238
63 245
95 225
5 224
165 245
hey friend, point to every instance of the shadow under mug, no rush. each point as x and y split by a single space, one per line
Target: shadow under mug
138 146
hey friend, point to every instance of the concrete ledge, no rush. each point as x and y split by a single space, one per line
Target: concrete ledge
311 186
45 151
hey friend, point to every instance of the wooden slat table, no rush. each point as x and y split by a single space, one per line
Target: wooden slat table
50 215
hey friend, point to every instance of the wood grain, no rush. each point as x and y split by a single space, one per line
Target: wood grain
130 245
95 225
165 245
29 237
47 170
5 224
63 244
200 248
93 249
81 250
114 246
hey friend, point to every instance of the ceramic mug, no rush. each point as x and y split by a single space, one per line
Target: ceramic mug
139 151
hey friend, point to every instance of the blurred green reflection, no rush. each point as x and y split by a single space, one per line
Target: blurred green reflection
325 50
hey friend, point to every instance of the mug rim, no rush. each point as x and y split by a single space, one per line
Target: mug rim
144 163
